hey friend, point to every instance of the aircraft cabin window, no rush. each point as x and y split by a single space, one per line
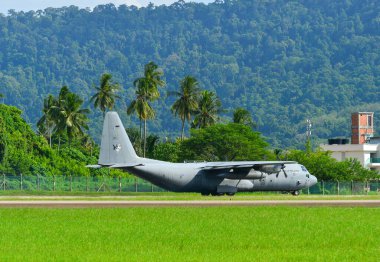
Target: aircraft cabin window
303 168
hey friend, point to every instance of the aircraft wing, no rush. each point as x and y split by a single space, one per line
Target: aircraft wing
242 165
116 165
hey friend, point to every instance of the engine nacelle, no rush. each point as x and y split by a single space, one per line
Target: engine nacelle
252 174
270 169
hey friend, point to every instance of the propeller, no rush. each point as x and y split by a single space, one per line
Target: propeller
283 170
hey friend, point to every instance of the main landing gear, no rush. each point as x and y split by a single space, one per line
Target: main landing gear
217 194
295 193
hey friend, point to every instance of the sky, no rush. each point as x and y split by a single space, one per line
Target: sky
27 5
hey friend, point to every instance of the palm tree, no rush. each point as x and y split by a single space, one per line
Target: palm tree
187 101
55 112
68 115
242 116
152 78
146 91
209 106
75 116
142 108
88 143
46 124
106 94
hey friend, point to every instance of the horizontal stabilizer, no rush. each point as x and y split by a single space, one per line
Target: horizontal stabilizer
126 165
94 166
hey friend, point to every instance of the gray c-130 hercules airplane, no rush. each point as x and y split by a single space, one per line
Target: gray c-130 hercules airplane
216 178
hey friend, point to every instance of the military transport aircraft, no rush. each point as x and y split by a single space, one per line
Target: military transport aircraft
216 178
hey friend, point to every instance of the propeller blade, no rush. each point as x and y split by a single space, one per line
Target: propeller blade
283 170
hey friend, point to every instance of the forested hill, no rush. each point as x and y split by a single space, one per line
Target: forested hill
285 61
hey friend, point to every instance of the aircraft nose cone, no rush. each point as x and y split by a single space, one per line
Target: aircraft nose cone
313 180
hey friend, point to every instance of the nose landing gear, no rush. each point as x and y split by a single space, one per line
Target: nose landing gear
295 193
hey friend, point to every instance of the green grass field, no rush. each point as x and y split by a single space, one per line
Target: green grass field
191 234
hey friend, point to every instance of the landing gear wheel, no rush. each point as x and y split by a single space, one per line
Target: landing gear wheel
230 194
295 193
205 193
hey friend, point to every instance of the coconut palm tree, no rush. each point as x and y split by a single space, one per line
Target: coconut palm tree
46 124
242 116
106 94
68 116
209 106
146 91
73 118
152 78
187 102
140 105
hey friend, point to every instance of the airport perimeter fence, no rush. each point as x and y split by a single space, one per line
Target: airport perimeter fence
75 184
121 184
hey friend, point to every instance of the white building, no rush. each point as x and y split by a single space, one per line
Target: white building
364 146
367 154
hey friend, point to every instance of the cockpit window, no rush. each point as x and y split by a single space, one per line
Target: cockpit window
303 168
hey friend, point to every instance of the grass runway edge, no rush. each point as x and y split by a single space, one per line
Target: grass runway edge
191 234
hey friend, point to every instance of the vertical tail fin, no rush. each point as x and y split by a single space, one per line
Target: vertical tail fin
115 148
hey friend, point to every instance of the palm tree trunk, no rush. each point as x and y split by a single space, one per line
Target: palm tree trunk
144 136
50 137
183 129
49 132
141 135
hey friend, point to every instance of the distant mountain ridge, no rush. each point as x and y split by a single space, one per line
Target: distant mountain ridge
285 61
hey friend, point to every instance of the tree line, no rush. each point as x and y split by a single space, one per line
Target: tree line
284 61
64 115
210 139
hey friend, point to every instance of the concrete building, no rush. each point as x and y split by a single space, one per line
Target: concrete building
364 146
361 127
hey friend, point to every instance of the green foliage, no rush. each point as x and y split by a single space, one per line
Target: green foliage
243 116
324 167
63 116
187 100
22 151
68 115
146 92
225 142
209 108
105 97
285 61
169 151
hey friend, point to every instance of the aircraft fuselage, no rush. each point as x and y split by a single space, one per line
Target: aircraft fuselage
190 177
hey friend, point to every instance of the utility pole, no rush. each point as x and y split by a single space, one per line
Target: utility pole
308 135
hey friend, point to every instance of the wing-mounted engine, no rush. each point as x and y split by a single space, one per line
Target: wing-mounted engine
256 172
249 174
269 169
244 174
245 170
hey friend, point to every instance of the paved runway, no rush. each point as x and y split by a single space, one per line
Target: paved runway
170 203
